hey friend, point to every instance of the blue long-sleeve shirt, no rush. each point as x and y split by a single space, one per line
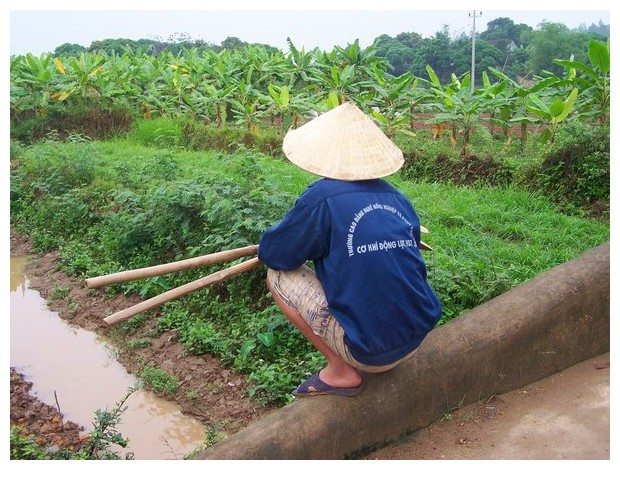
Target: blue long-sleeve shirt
363 238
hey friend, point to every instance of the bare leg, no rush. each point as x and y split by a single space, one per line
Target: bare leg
338 373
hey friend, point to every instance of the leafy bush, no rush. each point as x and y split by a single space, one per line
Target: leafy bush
101 443
459 170
24 445
56 167
229 139
16 150
209 137
200 337
67 119
576 169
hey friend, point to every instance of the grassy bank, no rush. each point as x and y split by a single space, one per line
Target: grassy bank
118 204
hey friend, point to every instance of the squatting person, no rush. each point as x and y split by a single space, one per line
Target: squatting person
366 305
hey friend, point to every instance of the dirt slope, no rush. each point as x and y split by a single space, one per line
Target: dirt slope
221 402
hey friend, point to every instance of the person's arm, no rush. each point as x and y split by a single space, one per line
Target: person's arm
299 237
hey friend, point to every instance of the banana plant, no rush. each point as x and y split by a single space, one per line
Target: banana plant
362 60
32 83
458 106
82 77
215 100
552 113
304 68
215 88
248 114
155 103
515 104
247 105
389 96
499 112
593 81
341 82
343 72
289 108
260 67
121 73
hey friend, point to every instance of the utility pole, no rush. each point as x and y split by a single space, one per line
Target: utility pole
473 48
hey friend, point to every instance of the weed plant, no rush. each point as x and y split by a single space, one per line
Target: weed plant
101 442
159 381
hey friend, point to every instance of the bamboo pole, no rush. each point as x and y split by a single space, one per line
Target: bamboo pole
190 263
425 246
183 290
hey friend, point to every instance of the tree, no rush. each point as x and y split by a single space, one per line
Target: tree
551 41
409 39
399 56
437 52
69 50
391 96
304 65
552 112
486 56
504 35
499 32
114 46
457 105
231 43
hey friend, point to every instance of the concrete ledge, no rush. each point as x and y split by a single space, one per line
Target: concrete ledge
545 325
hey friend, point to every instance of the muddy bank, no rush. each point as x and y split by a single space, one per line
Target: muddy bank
42 421
208 390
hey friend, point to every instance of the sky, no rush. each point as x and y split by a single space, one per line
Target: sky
35 28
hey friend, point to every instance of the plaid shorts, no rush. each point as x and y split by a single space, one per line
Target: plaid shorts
301 290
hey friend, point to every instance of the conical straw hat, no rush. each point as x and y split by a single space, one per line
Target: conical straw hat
344 144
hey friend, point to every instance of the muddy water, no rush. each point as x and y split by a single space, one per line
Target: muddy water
82 371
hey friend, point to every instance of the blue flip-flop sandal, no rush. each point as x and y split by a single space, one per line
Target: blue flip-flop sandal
322 388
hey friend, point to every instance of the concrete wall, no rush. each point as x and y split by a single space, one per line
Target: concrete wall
543 326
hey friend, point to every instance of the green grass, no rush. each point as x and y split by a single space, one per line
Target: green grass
159 381
487 240
161 132
119 204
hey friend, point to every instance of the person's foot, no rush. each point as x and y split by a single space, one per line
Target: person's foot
315 386
343 378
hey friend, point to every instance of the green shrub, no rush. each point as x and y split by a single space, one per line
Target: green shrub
24 446
576 168
59 167
459 170
209 137
267 141
200 337
17 149
102 441
63 119
138 343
